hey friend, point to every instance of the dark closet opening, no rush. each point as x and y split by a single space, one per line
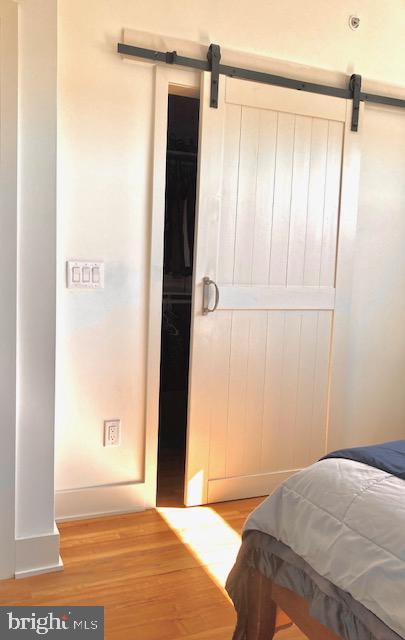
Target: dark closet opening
181 175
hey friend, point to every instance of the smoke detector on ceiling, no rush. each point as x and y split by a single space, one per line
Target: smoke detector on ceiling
354 22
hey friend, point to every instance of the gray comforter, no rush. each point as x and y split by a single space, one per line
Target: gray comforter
332 606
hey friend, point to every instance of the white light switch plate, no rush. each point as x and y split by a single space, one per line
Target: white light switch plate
85 274
112 433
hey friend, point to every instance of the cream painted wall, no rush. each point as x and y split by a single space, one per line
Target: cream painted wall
375 398
314 32
104 167
105 133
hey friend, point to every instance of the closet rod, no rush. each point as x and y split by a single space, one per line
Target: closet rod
187 155
212 64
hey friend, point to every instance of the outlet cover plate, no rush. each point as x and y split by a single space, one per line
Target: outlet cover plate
112 433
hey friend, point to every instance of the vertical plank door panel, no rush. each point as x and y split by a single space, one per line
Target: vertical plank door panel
268 218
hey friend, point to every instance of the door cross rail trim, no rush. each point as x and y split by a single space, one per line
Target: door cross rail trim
353 92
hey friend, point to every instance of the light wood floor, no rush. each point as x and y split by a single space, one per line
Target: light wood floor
158 573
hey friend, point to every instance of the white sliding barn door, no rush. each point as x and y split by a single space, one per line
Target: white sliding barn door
267 231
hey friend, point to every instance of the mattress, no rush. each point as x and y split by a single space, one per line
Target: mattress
345 520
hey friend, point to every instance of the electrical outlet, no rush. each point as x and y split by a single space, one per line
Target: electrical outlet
112 433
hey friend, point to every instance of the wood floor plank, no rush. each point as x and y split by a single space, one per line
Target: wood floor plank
159 574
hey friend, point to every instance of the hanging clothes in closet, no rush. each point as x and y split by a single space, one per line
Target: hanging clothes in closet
176 310
179 215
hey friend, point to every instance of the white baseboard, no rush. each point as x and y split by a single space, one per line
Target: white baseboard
104 500
261 484
36 572
38 554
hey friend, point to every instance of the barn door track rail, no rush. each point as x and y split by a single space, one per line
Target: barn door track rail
213 64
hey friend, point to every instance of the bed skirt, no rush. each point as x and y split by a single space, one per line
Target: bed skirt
334 608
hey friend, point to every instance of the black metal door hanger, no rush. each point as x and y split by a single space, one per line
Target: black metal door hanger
213 64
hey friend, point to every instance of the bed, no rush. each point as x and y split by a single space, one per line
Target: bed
328 548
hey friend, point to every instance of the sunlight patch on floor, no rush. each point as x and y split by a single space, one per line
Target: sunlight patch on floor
207 536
